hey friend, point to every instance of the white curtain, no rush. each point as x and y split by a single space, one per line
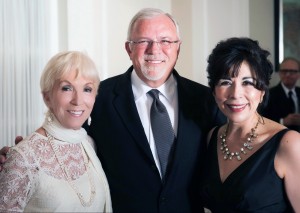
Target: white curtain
26 43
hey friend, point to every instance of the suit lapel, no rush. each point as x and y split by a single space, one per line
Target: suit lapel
187 132
125 105
281 95
284 99
297 89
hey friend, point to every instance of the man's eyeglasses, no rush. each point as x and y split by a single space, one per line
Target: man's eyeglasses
148 43
288 71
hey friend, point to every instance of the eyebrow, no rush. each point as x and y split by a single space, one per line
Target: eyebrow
158 38
244 78
64 81
247 78
68 82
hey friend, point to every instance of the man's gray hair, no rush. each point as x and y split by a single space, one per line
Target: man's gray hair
148 13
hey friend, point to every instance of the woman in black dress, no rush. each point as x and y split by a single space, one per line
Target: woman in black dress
252 163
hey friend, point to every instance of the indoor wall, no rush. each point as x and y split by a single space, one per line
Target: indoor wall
99 27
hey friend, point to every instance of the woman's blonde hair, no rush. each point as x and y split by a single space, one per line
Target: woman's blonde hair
65 62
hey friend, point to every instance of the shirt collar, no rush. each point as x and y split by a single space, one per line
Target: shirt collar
286 90
140 88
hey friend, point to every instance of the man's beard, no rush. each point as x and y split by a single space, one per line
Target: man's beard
146 70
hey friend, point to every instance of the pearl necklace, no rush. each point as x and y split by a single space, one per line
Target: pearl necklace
66 172
247 145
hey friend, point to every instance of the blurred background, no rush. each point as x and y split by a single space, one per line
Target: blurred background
31 31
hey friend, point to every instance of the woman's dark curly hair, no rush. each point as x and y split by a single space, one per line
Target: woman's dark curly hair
227 57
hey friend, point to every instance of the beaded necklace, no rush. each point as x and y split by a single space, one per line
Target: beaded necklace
247 145
66 172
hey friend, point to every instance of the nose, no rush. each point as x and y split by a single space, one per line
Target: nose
77 98
235 91
154 46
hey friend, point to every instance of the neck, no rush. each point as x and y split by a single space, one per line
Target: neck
54 128
241 130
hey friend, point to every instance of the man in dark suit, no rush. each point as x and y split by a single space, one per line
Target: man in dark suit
122 129
283 105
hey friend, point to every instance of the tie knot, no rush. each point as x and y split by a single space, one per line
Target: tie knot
290 93
154 93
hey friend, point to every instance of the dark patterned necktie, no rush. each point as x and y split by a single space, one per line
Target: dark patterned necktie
291 102
162 129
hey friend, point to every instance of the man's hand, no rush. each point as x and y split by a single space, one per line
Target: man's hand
5 149
18 139
3 152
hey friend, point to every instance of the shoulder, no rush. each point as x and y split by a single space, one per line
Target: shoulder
29 141
193 90
290 141
109 82
213 131
288 152
210 134
30 148
272 128
190 83
115 85
25 153
124 77
276 88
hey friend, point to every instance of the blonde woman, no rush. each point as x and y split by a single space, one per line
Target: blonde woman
55 169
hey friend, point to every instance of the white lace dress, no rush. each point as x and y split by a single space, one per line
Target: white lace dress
33 181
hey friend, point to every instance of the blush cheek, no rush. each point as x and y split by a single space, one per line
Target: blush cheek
254 96
220 103
219 98
89 104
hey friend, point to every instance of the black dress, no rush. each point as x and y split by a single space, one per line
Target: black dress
252 187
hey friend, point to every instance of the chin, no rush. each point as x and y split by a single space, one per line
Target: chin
76 128
72 126
155 76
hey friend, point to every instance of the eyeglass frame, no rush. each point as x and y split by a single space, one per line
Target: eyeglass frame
288 71
147 43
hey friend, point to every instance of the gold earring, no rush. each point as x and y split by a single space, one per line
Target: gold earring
261 100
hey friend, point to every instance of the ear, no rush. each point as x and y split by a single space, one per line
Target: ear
46 98
128 49
262 96
179 45
214 93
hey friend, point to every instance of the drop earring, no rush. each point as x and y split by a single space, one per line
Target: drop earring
49 117
89 120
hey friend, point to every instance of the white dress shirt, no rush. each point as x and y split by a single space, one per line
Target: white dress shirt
168 96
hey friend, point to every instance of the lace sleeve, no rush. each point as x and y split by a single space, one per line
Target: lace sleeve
16 182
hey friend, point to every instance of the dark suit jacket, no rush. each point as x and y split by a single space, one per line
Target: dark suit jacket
277 106
125 154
